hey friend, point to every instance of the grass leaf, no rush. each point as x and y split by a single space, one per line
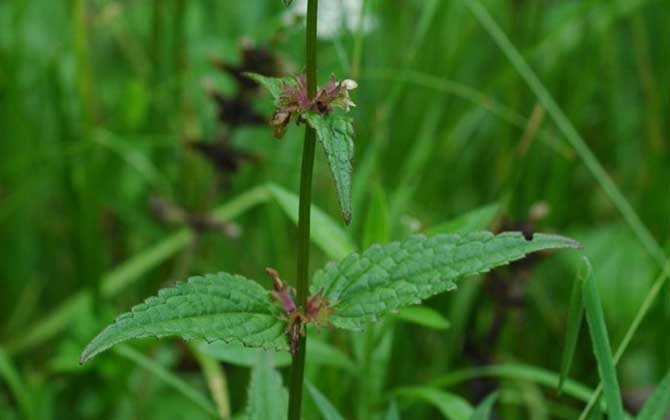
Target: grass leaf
168 377
16 386
392 413
327 234
483 410
326 408
602 350
472 221
658 404
424 316
575 315
450 405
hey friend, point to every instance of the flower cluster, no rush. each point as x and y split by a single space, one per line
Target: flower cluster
295 100
317 310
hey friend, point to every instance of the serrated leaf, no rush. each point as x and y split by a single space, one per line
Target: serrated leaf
268 399
382 279
274 85
658 404
335 133
212 307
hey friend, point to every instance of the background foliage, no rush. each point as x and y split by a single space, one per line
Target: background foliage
104 198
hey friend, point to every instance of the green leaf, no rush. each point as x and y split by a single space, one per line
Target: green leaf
16 386
392 413
211 307
658 404
325 233
335 133
483 410
274 85
474 220
450 405
382 279
575 315
268 399
602 350
326 408
168 377
515 372
320 353
377 226
424 316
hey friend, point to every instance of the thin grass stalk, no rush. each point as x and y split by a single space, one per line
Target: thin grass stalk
304 216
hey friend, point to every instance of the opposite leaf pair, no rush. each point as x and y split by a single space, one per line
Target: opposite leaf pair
359 289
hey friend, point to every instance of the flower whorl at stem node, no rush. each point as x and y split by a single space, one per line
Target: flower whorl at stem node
317 311
294 100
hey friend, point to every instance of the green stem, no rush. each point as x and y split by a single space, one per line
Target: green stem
302 284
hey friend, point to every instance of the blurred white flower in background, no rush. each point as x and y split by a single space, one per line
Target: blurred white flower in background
336 17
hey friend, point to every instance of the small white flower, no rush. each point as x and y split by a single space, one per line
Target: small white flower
335 17
349 84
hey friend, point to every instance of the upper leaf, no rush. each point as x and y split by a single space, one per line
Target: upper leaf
212 307
362 287
335 133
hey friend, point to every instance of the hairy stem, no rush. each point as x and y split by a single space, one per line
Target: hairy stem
302 284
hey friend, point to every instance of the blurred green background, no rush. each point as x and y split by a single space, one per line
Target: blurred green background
132 157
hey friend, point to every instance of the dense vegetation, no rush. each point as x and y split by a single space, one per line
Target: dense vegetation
137 154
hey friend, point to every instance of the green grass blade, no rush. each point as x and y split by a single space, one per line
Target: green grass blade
474 220
377 227
516 372
268 398
568 130
327 234
575 316
168 377
392 413
216 381
483 410
658 404
602 350
423 316
16 386
326 408
450 405
630 333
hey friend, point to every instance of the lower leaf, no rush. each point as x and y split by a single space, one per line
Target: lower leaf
212 307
